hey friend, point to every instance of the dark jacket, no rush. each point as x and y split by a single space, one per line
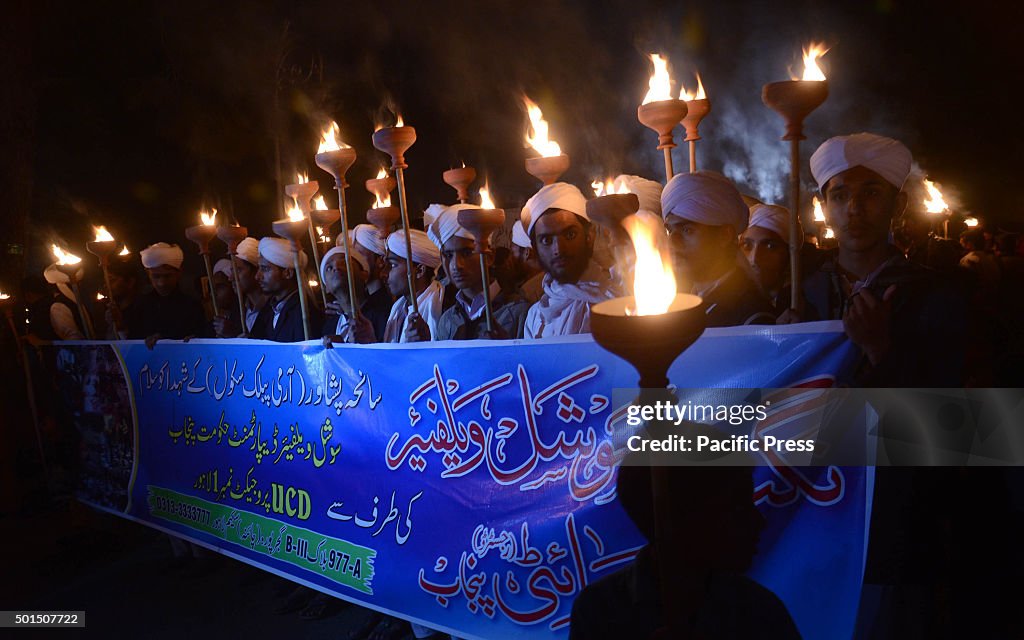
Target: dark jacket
737 301
289 321
509 313
174 317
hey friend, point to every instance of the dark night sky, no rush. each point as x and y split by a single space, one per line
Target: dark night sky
145 111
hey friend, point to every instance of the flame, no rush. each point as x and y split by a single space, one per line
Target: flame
319 204
208 219
485 198
100 296
537 134
654 283
125 251
971 222
102 235
608 188
64 257
829 233
687 96
381 202
301 178
295 213
934 203
329 139
819 213
4 296
398 121
660 84
314 283
811 69
383 173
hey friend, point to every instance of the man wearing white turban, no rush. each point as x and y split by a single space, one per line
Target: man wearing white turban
369 241
465 319
563 239
529 277
253 298
338 323
403 325
282 317
164 312
894 310
704 214
765 244
63 310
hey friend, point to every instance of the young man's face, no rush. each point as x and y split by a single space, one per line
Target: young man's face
462 263
246 276
563 245
767 255
697 247
164 279
398 283
120 286
860 206
375 261
273 280
336 274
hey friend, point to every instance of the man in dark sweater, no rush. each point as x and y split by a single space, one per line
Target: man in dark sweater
164 312
276 277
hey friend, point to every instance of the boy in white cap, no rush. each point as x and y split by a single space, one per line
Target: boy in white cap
528 274
338 323
253 298
368 241
765 244
402 325
555 219
276 277
164 312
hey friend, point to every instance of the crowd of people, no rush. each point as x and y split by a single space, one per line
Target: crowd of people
923 311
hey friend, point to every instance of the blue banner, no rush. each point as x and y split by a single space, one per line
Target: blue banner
465 486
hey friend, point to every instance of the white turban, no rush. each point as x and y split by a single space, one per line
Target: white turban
560 195
162 253
224 266
519 236
705 197
340 251
774 218
424 251
431 213
278 251
59 278
446 225
887 157
369 237
249 250
647 191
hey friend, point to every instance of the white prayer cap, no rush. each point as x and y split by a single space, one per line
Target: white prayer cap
560 195
705 197
369 237
249 250
59 278
647 191
519 236
162 253
446 225
431 213
887 157
774 218
224 266
278 251
424 251
340 251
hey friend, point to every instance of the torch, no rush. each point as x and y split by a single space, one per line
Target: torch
819 217
103 247
336 158
302 191
293 228
660 111
650 329
935 204
552 163
482 223
794 100
71 266
395 141
697 106
460 179
609 210
231 236
201 234
324 219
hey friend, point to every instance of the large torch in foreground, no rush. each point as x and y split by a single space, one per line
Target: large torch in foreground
660 111
935 204
293 228
201 234
482 223
336 158
650 329
794 100
71 266
395 141
552 163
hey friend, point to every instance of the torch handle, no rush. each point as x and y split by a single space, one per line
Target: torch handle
86 321
209 279
238 292
302 290
110 298
794 228
316 257
339 184
669 171
693 156
488 312
400 175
